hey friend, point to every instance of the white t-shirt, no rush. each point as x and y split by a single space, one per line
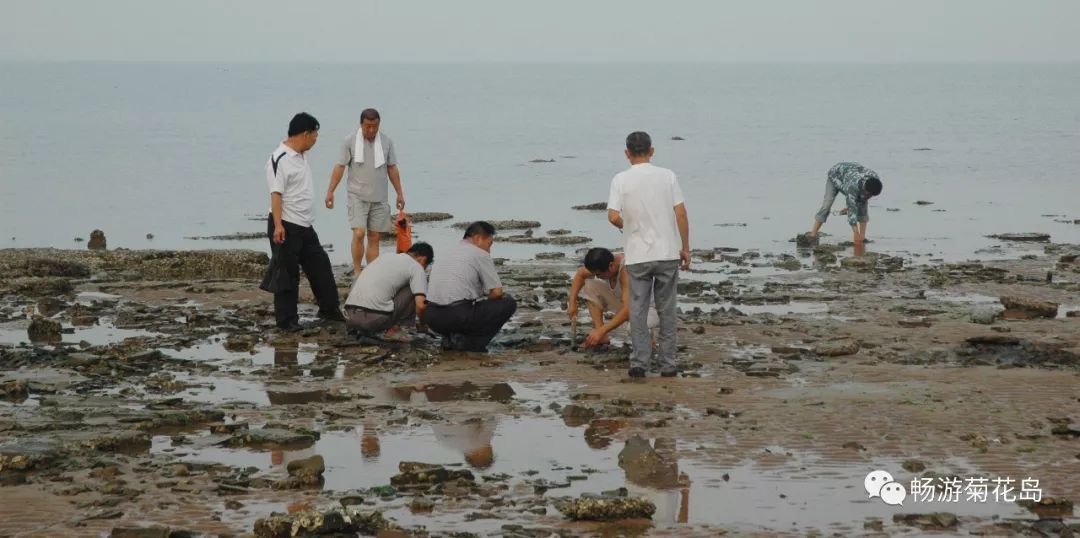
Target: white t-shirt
646 196
293 180
380 281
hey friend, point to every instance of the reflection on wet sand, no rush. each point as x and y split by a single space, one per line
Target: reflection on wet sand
652 471
370 447
472 438
286 357
424 393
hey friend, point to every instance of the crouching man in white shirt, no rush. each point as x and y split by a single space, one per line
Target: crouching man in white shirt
390 292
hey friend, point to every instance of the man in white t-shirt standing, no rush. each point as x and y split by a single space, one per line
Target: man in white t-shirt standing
647 204
293 240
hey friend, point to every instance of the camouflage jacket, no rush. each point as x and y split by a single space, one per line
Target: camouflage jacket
849 178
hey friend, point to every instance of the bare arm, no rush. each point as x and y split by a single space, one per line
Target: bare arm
275 211
615 218
684 233
623 315
575 288
335 178
496 293
421 305
395 180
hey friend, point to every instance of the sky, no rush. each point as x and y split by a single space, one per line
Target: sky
541 30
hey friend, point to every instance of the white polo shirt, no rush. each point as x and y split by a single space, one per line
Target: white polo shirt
645 196
293 180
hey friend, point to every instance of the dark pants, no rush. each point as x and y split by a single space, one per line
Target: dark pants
470 326
300 249
372 322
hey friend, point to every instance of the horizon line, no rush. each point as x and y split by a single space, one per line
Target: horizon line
540 62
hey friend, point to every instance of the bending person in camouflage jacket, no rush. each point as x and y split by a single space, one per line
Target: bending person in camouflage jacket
858 184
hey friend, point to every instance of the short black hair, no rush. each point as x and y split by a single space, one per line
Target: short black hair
597 260
423 249
302 123
369 114
638 143
873 185
480 228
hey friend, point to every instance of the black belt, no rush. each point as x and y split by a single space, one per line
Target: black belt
455 303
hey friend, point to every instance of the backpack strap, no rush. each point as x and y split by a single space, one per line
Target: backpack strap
275 160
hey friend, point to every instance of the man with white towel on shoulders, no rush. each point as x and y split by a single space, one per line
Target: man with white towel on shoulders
371 161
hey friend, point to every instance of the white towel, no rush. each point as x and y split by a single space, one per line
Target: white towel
358 150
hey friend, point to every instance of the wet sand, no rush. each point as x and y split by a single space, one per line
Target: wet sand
170 401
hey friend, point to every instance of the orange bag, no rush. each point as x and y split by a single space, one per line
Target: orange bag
403 227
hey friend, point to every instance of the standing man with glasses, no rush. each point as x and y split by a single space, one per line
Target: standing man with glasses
293 240
371 160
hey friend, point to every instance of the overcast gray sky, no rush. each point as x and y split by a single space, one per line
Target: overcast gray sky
542 30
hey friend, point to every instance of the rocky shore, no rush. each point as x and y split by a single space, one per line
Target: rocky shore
146 393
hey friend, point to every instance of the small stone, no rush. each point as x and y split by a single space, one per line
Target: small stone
915 323
837 349
985 315
914 466
935 521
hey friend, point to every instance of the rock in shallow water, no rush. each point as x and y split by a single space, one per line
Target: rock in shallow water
605 508
1023 308
1023 237
597 206
97 240
44 330
806 240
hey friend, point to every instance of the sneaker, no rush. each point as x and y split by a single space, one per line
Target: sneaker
293 327
669 373
636 371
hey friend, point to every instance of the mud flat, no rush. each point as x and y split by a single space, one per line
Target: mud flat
157 399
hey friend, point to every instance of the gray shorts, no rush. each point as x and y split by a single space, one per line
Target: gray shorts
370 216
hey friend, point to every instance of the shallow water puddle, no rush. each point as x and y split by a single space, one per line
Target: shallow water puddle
776 490
301 354
14 332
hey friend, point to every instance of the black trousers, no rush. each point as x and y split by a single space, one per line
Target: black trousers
470 326
300 249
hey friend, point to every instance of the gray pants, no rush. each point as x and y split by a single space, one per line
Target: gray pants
372 322
657 281
862 215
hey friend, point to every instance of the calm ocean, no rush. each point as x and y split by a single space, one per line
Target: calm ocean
178 149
